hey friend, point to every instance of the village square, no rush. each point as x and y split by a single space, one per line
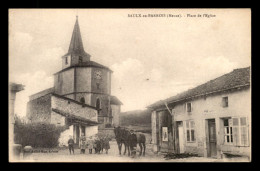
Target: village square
79 118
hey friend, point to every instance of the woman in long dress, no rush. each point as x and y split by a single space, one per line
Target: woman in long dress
90 144
106 144
82 144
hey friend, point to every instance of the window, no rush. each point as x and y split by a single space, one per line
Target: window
80 59
190 131
188 107
66 60
236 131
82 100
228 131
97 85
224 101
98 105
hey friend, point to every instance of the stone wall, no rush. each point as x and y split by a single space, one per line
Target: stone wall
73 108
116 114
104 82
39 110
57 119
64 82
105 103
83 79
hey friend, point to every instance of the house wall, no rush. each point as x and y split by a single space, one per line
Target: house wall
211 108
39 110
116 114
73 108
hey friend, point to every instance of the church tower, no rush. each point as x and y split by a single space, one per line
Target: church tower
84 80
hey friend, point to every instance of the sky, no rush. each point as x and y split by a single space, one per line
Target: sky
152 58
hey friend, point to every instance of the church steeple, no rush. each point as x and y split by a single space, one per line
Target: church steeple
76 45
76 54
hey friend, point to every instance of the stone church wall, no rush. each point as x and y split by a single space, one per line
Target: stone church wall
73 108
39 110
64 82
115 114
103 82
83 79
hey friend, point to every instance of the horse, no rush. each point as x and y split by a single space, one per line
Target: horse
122 137
141 141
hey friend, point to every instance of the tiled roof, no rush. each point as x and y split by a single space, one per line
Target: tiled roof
41 93
86 64
237 78
77 102
115 100
74 117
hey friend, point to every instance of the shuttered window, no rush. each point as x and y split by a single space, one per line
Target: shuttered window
236 131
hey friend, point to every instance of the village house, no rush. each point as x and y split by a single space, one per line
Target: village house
81 97
210 120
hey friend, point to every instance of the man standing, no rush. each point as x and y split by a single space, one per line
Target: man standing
133 143
71 145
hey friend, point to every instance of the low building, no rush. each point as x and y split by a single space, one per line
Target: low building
209 120
48 107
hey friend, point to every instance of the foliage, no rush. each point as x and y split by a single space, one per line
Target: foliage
142 117
41 135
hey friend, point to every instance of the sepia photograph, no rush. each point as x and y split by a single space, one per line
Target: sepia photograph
129 85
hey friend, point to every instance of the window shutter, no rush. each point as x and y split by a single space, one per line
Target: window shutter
235 126
244 131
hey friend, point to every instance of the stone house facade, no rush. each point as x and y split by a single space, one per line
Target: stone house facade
209 120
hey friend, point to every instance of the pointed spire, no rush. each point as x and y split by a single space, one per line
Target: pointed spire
76 45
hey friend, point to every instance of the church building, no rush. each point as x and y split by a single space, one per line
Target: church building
81 96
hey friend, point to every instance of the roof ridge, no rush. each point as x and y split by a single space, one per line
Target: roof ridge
228 80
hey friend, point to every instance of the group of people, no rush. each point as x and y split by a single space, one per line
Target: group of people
93 142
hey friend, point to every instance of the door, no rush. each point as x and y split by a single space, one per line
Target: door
180 137
77 134
212 138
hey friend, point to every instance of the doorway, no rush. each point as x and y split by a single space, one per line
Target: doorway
180 136
212 138
77 134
